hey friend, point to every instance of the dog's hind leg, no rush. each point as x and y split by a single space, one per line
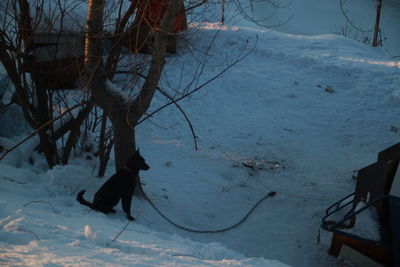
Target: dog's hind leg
110 211
105 209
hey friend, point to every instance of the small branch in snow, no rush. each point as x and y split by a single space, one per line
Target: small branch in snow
40 201
29 231
12 180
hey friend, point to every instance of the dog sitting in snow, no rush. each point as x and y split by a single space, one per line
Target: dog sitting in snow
120 186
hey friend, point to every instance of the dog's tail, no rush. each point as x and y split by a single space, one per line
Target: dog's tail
81 200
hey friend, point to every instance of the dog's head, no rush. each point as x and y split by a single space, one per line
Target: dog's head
137 162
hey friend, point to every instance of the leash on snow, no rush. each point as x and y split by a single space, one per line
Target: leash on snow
270 194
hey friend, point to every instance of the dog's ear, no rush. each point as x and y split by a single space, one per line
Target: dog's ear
137 151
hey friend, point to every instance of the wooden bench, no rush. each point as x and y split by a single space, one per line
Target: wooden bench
375 188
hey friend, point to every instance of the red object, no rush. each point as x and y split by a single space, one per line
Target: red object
152 11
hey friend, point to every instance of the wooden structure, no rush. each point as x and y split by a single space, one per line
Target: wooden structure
394 205
373 187
58 60
148 18
375 252
59 56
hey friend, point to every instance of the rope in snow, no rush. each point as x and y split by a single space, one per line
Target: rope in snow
270 194
120 232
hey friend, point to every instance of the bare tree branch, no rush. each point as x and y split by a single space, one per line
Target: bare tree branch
240 57
351 22
195 137
41 128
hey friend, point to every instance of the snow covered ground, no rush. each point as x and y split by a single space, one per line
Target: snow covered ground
303 111
312 17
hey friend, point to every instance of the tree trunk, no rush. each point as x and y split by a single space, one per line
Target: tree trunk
123 116
377 20
124 135
124 145
75 132
42 112
103 159
93 42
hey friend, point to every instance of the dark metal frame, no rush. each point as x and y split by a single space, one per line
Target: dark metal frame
351 215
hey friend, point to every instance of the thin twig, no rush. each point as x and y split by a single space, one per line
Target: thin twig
352 24
259 22
195 137
240 58
195 6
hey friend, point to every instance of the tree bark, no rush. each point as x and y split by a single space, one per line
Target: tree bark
42 112
103 155
377 20
124 136
122 115
75 132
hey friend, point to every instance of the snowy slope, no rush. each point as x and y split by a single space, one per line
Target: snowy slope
304 110
276 107
312 17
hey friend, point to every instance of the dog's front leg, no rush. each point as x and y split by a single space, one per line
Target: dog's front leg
126 206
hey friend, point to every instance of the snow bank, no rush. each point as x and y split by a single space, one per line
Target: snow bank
47 227
317 107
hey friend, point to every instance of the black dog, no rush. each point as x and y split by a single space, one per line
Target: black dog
120 186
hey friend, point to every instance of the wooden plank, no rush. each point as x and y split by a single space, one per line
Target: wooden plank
374 181
373 251
395 189
390 153
395 227
357 258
